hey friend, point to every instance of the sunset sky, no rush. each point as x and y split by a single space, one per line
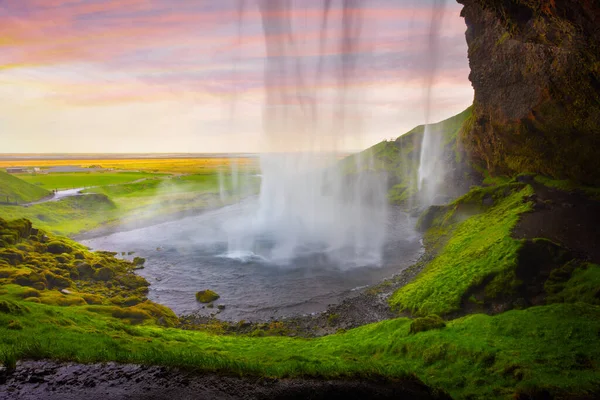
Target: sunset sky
189 75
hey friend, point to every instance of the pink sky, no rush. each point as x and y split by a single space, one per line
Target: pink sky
184 76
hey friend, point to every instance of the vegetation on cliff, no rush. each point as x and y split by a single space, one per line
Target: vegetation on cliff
399 160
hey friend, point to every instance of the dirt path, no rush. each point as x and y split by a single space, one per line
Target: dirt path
41 380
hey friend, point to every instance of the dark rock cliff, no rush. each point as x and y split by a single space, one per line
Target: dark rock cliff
535 68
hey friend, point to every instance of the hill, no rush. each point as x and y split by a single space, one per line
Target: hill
400 158
15 190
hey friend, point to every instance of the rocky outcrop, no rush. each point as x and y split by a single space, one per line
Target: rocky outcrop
535 68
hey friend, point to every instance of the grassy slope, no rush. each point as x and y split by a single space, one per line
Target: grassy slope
400 158
18 190
478 247
83 179
68 216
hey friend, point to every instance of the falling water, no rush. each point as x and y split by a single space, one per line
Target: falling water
307 203
430 174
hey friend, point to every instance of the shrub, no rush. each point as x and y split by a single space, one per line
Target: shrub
206 296
427 323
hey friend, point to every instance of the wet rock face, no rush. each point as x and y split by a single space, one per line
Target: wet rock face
535 68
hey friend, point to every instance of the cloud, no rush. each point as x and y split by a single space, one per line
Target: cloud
85 57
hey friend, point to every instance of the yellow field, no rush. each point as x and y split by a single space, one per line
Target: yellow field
169 165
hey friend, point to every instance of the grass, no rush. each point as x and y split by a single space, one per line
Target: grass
82 179
69 216
15 190
583 284
478 247
133 202
551 347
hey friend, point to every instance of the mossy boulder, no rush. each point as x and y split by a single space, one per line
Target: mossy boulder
31 279
56 281
206 296
139 261
426 323
134 315
12 256
104 274
58 247
85 270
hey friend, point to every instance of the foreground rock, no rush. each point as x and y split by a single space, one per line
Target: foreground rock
51 380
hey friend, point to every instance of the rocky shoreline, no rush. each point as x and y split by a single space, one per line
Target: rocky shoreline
368 306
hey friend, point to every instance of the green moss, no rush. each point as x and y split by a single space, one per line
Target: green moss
569 186
139 261
574 282
505 36
477 356
477 246
206 296
104 274
134 315
426 323
59 247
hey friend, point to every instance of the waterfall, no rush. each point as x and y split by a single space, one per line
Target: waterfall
430 174
307 203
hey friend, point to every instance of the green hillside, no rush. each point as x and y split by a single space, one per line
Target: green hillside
400 160
15 190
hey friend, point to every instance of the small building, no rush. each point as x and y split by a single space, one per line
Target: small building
15 170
